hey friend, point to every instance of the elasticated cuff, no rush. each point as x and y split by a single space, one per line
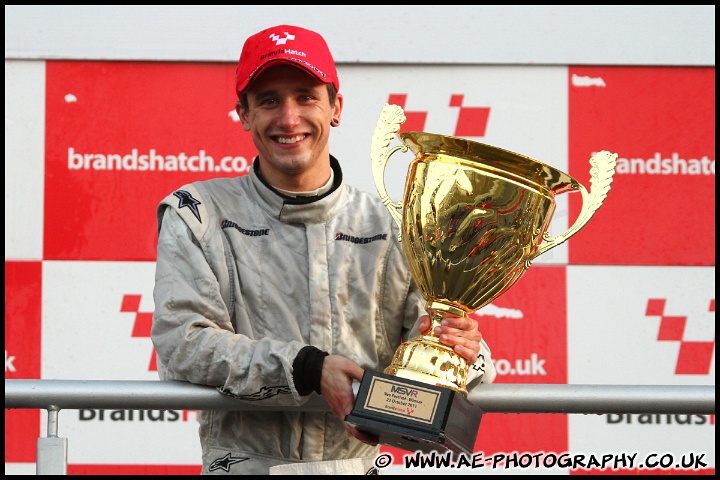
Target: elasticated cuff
307 370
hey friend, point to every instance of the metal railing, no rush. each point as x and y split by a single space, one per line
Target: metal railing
56 395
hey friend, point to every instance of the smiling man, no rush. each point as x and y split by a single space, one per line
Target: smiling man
287 282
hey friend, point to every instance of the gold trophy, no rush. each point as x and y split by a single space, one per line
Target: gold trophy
472 220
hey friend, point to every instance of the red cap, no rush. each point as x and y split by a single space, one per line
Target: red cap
289 44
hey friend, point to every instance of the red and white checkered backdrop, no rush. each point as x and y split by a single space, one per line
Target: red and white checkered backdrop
629 299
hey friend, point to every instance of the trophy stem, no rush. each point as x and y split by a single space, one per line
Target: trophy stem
427 360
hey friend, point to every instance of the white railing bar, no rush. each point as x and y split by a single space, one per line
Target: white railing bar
500 398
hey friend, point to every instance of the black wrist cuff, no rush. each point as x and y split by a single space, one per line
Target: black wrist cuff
307 370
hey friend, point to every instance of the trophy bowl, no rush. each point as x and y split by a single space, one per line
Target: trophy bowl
472 220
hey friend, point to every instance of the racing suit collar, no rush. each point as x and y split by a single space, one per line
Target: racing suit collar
313 209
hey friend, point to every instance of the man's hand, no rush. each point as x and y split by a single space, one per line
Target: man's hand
338 373
460 333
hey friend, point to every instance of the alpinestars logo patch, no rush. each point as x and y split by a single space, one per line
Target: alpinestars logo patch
226 462
187 200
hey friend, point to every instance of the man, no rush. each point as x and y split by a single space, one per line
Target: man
257 292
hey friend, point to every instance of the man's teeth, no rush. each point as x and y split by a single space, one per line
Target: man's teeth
291 140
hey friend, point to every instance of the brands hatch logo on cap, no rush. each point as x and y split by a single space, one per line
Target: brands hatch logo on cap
278 41
281 41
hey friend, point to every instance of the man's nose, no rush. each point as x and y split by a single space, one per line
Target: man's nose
289 114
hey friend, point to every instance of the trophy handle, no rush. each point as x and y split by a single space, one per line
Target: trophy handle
388 125
602 171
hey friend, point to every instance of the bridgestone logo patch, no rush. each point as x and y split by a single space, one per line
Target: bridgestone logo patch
250 233
350 238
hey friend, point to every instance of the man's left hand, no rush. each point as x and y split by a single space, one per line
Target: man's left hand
460 333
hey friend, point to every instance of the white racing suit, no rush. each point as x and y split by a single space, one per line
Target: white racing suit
245 278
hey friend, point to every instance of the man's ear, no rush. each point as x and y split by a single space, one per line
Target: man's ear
337 109
242 114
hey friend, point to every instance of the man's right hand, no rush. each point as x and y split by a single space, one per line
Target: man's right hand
338 374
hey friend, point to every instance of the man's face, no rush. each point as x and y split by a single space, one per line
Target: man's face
289 118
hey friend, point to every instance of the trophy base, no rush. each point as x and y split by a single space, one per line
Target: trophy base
415 416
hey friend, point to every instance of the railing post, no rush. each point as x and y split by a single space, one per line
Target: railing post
52 450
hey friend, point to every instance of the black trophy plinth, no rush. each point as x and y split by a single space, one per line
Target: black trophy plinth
414 416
